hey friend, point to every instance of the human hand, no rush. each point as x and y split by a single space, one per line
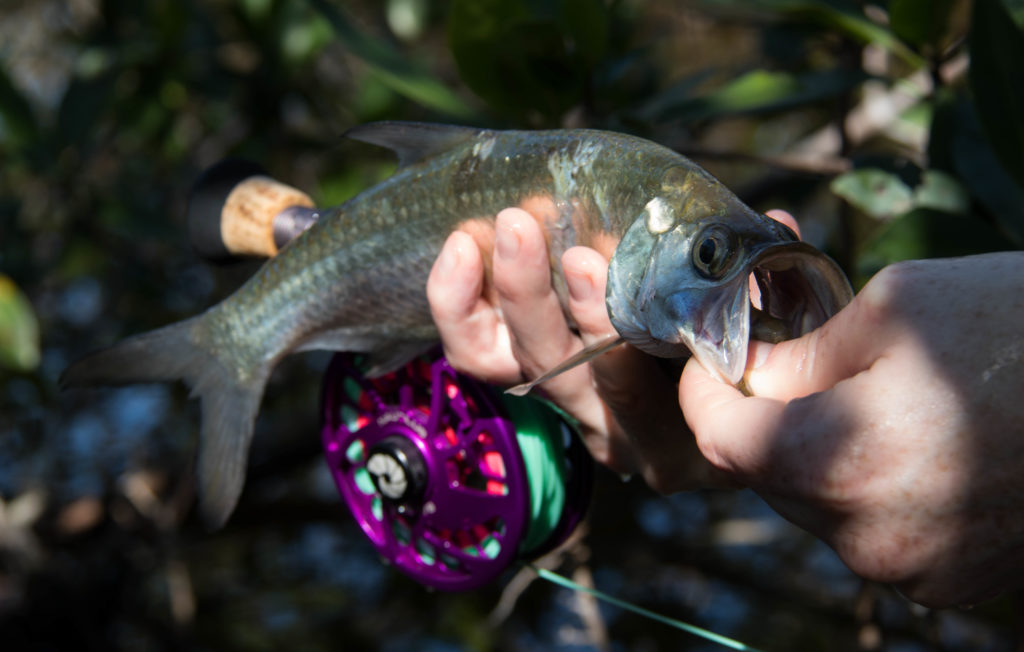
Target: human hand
895 432
509 326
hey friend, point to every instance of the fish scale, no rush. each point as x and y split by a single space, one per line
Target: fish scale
355 280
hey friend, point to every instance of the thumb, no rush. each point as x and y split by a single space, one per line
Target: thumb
842 347
734 433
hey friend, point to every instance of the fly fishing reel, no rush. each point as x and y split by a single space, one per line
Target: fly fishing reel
450 480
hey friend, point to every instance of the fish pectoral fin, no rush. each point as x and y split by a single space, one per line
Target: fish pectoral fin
585 355
382 361
412 141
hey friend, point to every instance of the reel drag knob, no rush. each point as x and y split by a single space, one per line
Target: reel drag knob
440 480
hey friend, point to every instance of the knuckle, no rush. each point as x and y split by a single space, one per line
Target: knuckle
886 288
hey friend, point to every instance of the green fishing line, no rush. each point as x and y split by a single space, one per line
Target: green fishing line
539 430
724 641
539 433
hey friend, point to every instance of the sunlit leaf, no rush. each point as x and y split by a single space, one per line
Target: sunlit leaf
942 192
19 331
404 76
876 192
997 81
759 91
302 39
408 18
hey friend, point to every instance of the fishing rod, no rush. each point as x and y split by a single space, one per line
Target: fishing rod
451 480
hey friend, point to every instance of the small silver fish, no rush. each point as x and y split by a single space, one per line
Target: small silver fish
682 248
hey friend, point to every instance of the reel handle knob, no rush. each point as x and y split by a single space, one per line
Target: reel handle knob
235 209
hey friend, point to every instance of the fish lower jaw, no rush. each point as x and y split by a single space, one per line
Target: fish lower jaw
725 363
660 348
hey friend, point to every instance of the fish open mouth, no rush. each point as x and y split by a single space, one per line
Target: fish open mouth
800 289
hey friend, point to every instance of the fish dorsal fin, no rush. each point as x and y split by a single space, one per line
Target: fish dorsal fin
412 141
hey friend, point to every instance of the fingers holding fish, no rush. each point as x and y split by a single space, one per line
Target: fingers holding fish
649 426
474 336
540 337
529 304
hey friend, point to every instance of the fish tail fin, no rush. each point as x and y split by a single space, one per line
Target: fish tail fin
229 400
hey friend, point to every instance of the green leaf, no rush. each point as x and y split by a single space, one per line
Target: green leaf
760 91
1016 10
942 192
884 195
875 192
402 75
924 233
997 81
920 22
19 331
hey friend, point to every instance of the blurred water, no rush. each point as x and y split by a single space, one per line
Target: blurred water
323 554
681 515
81 301
84 455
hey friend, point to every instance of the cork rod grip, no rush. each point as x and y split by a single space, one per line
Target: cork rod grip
247 219
232 209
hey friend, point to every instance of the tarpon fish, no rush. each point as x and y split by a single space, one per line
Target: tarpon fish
682 249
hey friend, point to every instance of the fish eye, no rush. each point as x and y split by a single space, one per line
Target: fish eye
714 250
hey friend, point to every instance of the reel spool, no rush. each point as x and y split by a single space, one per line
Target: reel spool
450 480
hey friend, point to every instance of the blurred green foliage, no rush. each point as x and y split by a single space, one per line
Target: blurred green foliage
19 333
892 129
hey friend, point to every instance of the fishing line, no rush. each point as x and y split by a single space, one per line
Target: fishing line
565 582
454 482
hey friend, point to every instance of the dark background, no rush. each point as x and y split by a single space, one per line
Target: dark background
891 129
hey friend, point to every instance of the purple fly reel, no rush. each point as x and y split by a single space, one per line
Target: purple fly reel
429 462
